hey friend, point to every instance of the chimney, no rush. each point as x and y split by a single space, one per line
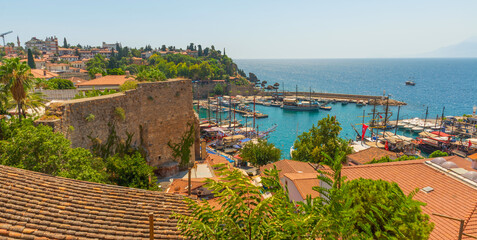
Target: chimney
127 74
98 75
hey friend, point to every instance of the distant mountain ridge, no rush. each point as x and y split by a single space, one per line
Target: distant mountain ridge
465 49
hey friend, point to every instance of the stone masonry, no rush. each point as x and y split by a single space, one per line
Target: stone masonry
155 113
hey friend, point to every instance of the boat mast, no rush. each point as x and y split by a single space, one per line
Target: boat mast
253 111
386 116
230 112
296 92
397 121
310 97
425 119
208 107
442 120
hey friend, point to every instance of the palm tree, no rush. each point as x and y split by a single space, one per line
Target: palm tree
17 78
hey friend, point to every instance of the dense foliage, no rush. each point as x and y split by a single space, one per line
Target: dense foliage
438 153
94 93
319 141
388 159
260 153
38 148
210 64
357 209
58 83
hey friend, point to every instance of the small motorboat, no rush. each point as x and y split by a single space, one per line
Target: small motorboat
345 102
417 129
410 83
326 108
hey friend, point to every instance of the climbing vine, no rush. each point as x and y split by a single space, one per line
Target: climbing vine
181 149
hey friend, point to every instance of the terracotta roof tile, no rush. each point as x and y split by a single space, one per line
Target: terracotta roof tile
304 183
38 206
367 155
112 80
44 74
450 196
289 166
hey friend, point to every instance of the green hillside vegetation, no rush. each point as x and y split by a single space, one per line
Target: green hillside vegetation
210 64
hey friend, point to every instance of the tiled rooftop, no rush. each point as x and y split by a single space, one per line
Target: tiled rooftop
112 80
367 155
39 206
289 166
450 196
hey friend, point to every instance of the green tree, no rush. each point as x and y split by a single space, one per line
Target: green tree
131 171
116 71
199 51
58 83
244 213
182 70
319 141
219 89
39 149
388 159
204 71
194 71
383 211
96 65
17 78
151 75
65 44
128 85
438 153
31 61
260 153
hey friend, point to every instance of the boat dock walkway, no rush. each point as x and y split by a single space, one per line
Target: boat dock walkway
257 114
369 99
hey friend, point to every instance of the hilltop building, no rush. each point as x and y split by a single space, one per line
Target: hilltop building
110 46
49 46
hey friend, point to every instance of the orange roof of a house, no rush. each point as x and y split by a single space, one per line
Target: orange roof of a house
44 74
367 155
180 185
213 159
450 196
39 206
303 181
109 80
289 166
473 156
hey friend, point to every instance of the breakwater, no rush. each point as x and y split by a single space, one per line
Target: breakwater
369 99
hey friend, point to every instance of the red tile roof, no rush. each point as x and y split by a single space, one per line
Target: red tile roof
289 166
303 182
43 74
367 155
109 80
450 196
39 206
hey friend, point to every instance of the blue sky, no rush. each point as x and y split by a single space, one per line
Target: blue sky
252 29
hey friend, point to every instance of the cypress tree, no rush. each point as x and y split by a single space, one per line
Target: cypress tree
199 53
31 61
65 44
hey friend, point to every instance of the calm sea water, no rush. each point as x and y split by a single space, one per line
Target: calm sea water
449 83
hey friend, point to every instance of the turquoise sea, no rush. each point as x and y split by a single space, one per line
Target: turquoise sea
449 83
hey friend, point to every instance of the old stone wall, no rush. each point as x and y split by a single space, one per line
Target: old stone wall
155 113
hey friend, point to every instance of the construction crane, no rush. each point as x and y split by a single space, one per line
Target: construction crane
3 36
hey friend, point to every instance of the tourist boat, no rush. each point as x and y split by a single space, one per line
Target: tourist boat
294 104
267 104
276 104
326 108
344 102
410 83
408 126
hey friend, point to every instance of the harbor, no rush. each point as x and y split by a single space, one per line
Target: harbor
410 133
